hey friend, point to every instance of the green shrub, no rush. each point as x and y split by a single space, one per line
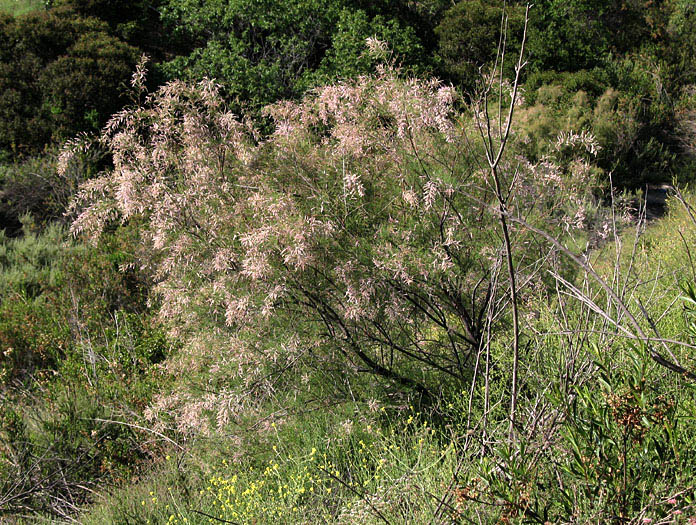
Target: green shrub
60 448
593 82
574 35
630 123
78 355
468 37
60 74
32 336
262 52
628 446
33 187
347 57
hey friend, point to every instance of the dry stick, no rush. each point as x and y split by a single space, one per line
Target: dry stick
616 278
593 306
442 504
357 493
446 496
483 346
639 227
688 253
654 355
686 205
688 209
629 335
654 329
145 429
221 520
576 339
513 300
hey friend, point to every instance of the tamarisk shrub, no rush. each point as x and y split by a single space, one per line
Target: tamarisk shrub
364 222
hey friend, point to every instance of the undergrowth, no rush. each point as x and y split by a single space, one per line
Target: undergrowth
620 448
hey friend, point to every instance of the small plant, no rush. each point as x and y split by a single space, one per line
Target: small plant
622 435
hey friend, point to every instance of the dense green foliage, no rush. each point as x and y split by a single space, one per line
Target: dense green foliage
65 67
267 51
638 55
468 39
59 74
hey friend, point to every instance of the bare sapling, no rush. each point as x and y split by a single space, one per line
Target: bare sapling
494 144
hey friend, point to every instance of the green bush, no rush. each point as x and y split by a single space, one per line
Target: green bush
117 13
623 434
262 52
32 336
631 123
55 294
60 74
136 22
347 57
61 447
573 35
77 358
32 186
468 37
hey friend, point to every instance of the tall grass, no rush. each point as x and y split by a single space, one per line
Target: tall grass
20 7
